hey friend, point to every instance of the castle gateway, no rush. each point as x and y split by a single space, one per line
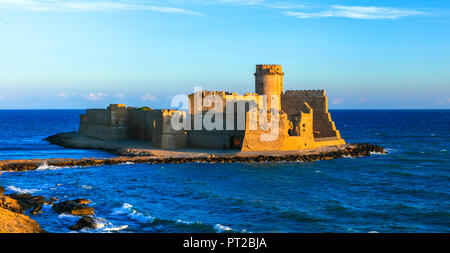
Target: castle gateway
268 119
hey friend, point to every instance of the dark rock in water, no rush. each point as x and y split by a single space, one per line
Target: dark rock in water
28 201
37 209
2 190
82 201
84 222
52 200
74 207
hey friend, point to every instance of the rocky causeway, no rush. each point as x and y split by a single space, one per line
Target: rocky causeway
141 152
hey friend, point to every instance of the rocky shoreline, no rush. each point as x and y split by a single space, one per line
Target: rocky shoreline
12 217
14 206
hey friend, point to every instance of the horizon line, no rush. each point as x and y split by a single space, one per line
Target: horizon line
4 109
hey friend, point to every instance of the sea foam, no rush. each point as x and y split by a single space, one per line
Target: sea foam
221 228
133 214
45 166
20 190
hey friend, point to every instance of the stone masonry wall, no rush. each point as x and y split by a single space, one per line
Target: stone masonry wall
292 102
106 124
142 123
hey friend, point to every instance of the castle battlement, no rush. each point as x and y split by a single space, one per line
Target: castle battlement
268 69
305 93
117 107
205 93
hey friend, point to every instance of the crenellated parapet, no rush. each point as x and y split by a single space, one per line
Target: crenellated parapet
269 69
304 93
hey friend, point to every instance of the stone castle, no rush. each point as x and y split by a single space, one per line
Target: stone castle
301 116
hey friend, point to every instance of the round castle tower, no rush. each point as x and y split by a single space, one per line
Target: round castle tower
269 80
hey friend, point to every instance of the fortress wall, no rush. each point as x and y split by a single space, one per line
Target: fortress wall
120 123
142 123
97 117
306 127
215 139
292 102
237 102
164 136
335 142
253 140
118 114
226 99
260 140
201 96
105 124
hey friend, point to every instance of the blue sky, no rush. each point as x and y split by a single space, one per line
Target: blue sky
84 54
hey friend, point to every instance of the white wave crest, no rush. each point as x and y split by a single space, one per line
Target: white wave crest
68 216
140 217
376 153
102 225
115 229
221 228
20 190
45 166
184 222
133 214
125 209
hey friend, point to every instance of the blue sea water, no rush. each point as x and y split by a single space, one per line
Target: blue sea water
406 190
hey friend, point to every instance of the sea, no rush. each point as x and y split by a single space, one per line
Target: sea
404 191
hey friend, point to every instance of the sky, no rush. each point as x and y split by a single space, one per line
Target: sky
366 54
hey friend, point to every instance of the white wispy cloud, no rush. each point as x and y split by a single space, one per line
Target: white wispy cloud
56 5
355 12
290 8
337 101
95 96
62 95
148 97
264 3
